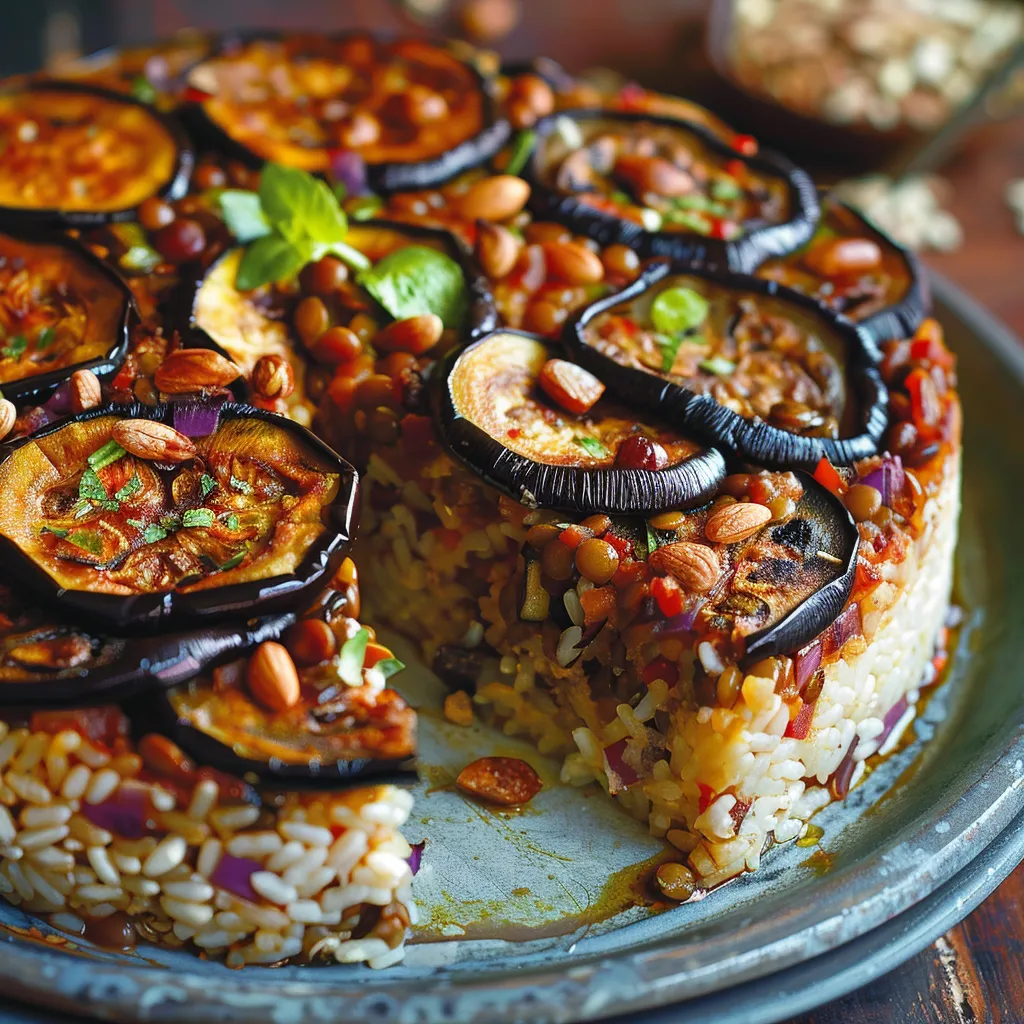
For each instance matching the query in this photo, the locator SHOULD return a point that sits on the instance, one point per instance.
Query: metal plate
(541, 877)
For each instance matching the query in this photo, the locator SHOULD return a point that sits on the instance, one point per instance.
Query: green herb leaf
(140, 259)
(171, 521)
(592, 446)
(242, 212)
(143, 89)
(389, 667)
(56, 531)
(416, 280)
(91, 488)
(365, 207)
(46, 338)
(132, 487)
(353, 257)
(726, 188)
(242, 486)
(678, 309)
(87, 540)
(153, 533)
(15, 347)
(207, 483)
(137, 523)
(271, 258)
(350, 661)
(198, 517)
(522, 148)
(104, 456)
(233, 561)
(231, 521)
(300, 206)
(82, 508)
(718, 366)
(669, 345)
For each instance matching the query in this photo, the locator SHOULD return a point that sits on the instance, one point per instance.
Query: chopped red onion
(891, 720)
(416, 856)
(806, 662)
(233, 873)
(349, 169)
(847, 625)
(684, 621)
(620, 774)
(888, 479)
(800, 726)
(198, 417)
(59, 402)
(841, 777)
(126, 813)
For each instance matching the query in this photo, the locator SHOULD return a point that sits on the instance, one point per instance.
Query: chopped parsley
(592, 447)
(15, 347)
(231, 521)
(90, 487)
(242, 486)
(198, 517)
(207, 484)
(153, 533)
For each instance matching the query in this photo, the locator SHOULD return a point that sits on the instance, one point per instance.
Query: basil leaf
(300, 206)
(207, 483)
(104, 456)
(389, 666)
(132, 487)
(91, 487)
(416, 280)
(87, 541)
(153, 533)
(679, 309)
(269, 259)
(592, 446)
(353, 257)
(350, 661)
(198, 517)
(243, 214)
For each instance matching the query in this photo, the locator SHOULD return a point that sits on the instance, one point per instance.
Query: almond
(312, 642)
(272, 677)
(738, 521)
(497, 249)
(84, 390)
(193, 369)
(570, 386)
(8, 414)
(147, 439)
(273, 377)
(495, 198)
(415, 334)
(694, 566)
(573, 263)
(653, 174)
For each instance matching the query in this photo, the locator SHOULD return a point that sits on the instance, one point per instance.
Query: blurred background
(916, 107)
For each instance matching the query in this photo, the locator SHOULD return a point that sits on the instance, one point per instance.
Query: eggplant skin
(822, 608)
(699, 415)
(153, 612)
(383, 178)
(125, 667)
(742, 254)
(574, 489)
(36, 389)
(174, 188)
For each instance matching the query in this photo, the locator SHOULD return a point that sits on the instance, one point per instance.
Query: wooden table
(974, 973)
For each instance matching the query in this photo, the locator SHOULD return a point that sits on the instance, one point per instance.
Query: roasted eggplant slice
(61, 309)
(791, 580)
(168, 529)
(334, 732)
(668, 188)
(412, 113)
(763, 372)
(76, 155)
(536, 428)
(56, 665)
(858, 271)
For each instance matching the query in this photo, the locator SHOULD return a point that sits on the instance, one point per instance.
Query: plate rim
(665, 971)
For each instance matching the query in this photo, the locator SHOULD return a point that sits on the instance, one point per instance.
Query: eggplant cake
(655, 458)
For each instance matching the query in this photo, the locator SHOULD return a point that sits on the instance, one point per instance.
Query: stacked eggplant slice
(608, 395)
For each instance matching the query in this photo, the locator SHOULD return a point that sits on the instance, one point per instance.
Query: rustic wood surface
(974, 974)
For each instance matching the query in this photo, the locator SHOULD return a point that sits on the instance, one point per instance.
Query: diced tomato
(925, 404)
(746, 144)
(623, 545)
(721, 228)
(661, 668)
(194, 95)
(800, 725)
(707, 795)
(513, 433)
(826, 475)
(668, 595)
(125, 377)
(598, 604)
(573, 536)
(735, 168)
(628, 571)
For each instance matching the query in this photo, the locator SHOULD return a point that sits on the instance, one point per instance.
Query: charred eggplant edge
(156, 611)
(743, 254)
(701, 416)
(568, 488)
